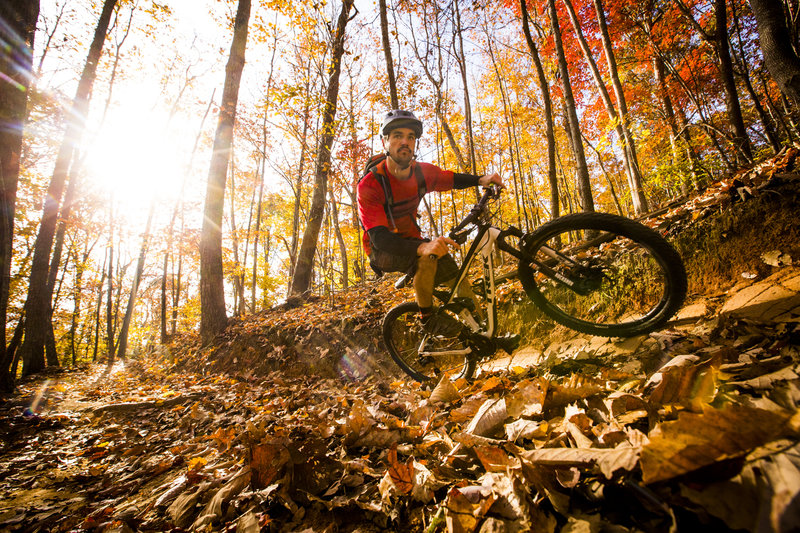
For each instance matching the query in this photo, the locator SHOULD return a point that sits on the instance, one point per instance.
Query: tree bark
(16, 66)
(301, 280)
(544, 86)
(619, 93)
(122, 344)
(741, 141)
(36, 304)
(462, 65)
(780, 57)
(213, 316)
(387, 53)
(581, 168)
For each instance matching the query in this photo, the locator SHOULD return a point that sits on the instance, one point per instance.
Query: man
(388, 198)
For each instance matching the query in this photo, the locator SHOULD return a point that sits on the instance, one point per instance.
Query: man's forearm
(391, 243)
(464, 181)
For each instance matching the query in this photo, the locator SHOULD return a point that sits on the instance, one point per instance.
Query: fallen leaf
(696, 440)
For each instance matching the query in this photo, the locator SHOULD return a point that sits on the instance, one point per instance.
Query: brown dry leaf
(695, 440)
(223, 437)
(512, 498)
(489, 417)
(526, 429)
(444, 392)
(620, 403)
(462, 514)
(467, 409)
(358, 423)
(401, 474)
(763, 497)
(607, 460)
(527, 398)
(685, 380)
(213, 509)
(383, 437)
(267, 460)
(577, 388)
(495, 459)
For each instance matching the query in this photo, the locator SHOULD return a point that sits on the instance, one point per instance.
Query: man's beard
(402, 158)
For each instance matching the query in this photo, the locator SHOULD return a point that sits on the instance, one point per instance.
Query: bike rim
(420, 355)
(621, 283)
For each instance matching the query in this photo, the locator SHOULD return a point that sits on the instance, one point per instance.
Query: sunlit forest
(156, 134)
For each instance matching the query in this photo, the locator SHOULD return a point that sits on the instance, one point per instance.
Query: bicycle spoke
(419, 354)
(604, 275)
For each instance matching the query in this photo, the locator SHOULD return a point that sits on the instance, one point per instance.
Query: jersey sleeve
(370, 198)
(436, 179)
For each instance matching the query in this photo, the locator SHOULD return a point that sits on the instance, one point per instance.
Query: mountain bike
(596, 273)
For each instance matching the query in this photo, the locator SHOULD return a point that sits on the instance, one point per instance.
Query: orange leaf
(402, 474)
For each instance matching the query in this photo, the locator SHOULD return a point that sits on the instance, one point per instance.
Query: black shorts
(446, 267)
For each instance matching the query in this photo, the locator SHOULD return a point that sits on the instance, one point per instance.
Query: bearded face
(400, 144)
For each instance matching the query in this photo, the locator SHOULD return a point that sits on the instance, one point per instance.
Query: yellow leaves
(223, 437)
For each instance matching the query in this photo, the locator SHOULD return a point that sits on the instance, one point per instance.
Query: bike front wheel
(421, 355)
(603, 274)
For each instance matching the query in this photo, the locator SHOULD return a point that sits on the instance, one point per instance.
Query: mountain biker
(392, 239)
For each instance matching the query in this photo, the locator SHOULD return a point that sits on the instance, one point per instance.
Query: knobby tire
(636, 280)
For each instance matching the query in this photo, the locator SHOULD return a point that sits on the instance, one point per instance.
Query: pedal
(508, 342)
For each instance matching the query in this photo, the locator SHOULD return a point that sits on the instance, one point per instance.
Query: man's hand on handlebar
(489, 179)
(437, 247)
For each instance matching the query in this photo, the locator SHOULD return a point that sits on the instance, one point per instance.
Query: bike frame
(488, 239)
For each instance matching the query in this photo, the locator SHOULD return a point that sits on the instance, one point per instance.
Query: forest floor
(295, 419)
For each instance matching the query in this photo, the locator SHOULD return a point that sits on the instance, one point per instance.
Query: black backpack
(372, 167)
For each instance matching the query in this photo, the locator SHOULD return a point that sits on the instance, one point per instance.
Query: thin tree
(581, 168)
(17, 32)
(387, 53)
(213, 317)
(122, 343)
(301, 280)
(37, 302)
(718, 39)
(544, 87)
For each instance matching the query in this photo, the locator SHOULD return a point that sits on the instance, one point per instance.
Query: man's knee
(426, 263)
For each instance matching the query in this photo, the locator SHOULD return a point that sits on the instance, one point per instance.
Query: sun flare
(136, 160)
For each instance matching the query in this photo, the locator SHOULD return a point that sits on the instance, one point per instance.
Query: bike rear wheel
(627, 279)
(420, 355)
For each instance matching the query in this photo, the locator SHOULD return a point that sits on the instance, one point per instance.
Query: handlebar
(475, 212)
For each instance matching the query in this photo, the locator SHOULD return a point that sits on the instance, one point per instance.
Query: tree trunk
(110, 304)
(462, 65)
(387, 53)
(581, 168)
(741, 141)
(213, 316)
(36, 304)
(301, 281)
(544, 86)
(780, 57)
(17, 32)
(629, 143)
(122, 343)
(340, 239)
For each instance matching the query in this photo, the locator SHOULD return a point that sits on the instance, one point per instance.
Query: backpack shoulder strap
(422, 186)
(387, 193)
